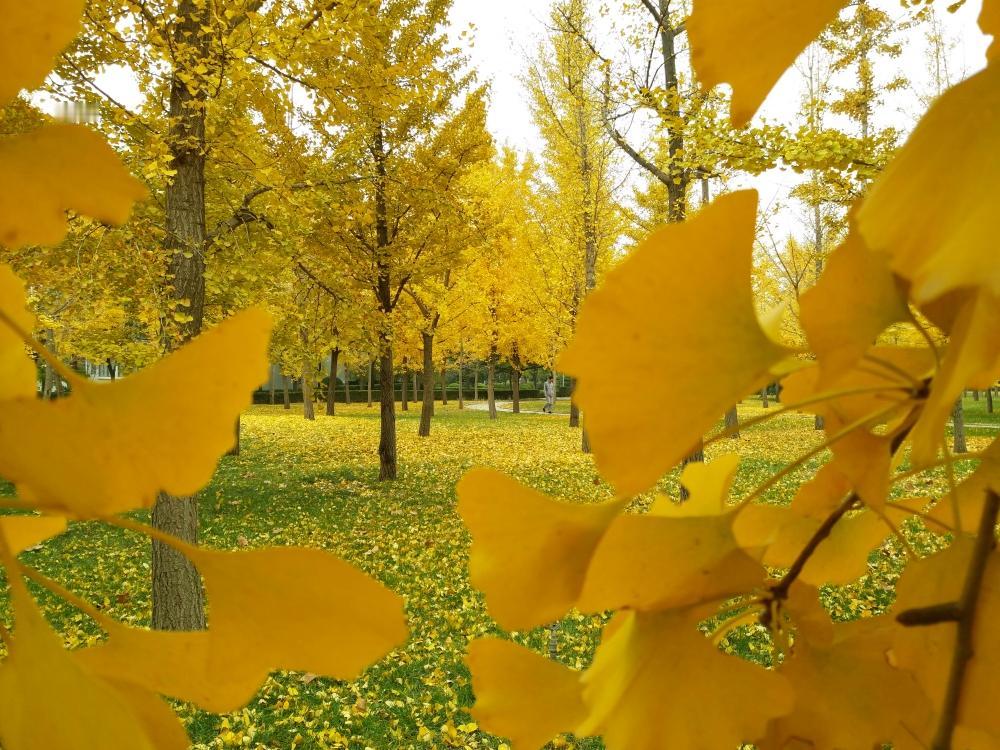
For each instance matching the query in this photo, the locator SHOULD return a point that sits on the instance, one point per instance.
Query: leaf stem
(932, 615)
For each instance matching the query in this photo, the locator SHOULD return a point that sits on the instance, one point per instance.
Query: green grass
(315, 484)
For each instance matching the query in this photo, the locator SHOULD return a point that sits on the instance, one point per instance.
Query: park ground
(315, 484)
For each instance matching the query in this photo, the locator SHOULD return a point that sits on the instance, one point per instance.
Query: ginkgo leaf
(22, 532)
(47, 700)
(158, 719)
(530, 553)
(657, 683)
(989, 22)
(56, 169)
(654, 561)
(708, 486)
(694, 328)
(523, 696)
(927, 651)
(17, 371)
(847, 694)
(856, 299)
(970, 494)
(972, 359)
(931, 210)
(133, 438)
(751, 43)
(31, 36)
(296, 609)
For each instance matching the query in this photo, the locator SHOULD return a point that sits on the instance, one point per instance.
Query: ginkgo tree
(918, 252)
(119, 446)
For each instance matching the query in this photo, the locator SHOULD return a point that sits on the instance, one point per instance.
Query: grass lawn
(302, 483)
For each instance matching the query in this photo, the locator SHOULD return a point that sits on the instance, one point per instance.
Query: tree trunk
(308, 406)
(331, 389)
(404, 398)
(347, 384)
(112, 370)
(271, 384)
(574, 410)
(585, 439)
(989, 400)
(696, 456)
(461, 393)
(763, 398)
(371, 367)
(475, 382)
(427, 409)
(975, 394)
(178, 598)
(444, 386)
(490, 383)
(235, 450)
(958, 425)
(733, 422)
(288, 397)
(515, 387)
(387, 430)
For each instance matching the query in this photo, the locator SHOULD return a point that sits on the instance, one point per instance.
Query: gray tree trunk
(989, 400)
(308, 405)
(387, 404)
(574, 410)
(461, 388)
(371, 367)
(763, 398)
(490, 383)
(427, 408)
(331, 390)
(404, 398)
(733, 422)
(958, 425)
(288, 397)
(444, 386)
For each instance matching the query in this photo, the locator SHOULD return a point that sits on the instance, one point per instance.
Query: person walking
(550, 395)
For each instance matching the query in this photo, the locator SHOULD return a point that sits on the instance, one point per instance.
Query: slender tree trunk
(975, 394)
(387, 402)
(585, 439)
(763, 398)
(371, 367)
(308, 406)
(347, 384)
(404, 398)
(490, 384)
(178, 598)
(574, 410)
(461, 388)
(331, 390)
(989, 400)
(958, 425)
(733, 422)
(235, 450)
(288, 397)
(475, 382)
(112, 371)
(515, 386)
(444, 386)
(427, 410)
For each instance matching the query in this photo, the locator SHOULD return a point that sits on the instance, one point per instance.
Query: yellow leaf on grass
(749, 44)
(521, 695)
(855, 300)
(678, 310)
(847, 694)
(56, 169)
(674, 556)
(133, 438)
(21, 532)
(530, 553)
(17, 371)
(295, 609)
(657, 683)
(932, 209)
(47, 700)
(31, 36)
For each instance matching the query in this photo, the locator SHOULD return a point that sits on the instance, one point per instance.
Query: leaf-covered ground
(314, 483)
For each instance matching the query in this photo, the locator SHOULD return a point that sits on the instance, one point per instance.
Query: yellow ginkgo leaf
(47, 700)
(654, 561)
(56, 169)
(523, 696)
(678, 310)
(31, 36)
(855, 299)
(989, 22)
(17, 371)
(637, 700)
(818, 497)
(296, 609)
(972, 360)
(157, 718)
(134, 438)
(927, 651)
(749, 44)
(970, 494)
(847, 694)
(21, 532)
(176, 664)
(530, 553)
(708, 486)
(931, 210)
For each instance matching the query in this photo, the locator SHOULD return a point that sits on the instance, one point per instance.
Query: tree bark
(490, 383)
(475, 382)
(404, 398)
(331, 389)
(444, 386)
(515, 387)
(347, 384)
(387, 428)
(288, 397)
(427, 409)
(989, 400)
(958, 425)
(733, 422)
(461, 388)
(178, 598)
(574, 410)
(235, 450)
(975, 394)
(763, 398)
(308, 406)
(371, 368)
